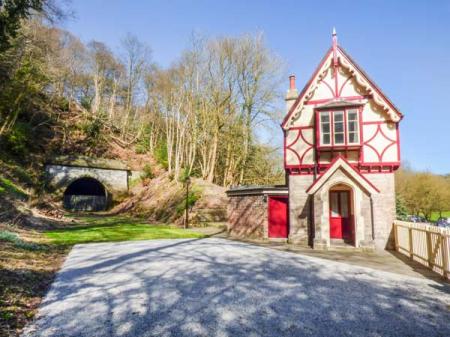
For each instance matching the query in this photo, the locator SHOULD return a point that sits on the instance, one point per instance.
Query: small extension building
(341, 148)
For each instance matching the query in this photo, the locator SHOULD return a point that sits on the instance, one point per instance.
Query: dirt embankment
(163, 199)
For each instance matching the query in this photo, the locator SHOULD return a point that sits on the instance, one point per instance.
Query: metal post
(186, 221)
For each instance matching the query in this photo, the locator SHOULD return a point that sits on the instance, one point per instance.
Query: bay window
(339, 127)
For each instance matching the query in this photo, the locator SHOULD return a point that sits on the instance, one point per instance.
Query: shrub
(18, 138)
(8, 187)
(140, 149)
(185, 174)
(193, 196)
(18, 242)
(400, 207)
(161, 155)
(92, 128)
(148, 172)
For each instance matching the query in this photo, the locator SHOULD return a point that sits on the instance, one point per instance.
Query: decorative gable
(339, 77)
(340, 112)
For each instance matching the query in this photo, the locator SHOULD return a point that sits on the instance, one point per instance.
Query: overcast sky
(404, 46)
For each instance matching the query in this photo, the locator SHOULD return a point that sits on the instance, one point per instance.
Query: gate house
(341, 148)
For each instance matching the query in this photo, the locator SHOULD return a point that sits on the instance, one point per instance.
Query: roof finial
(334, 37)
(335, 60)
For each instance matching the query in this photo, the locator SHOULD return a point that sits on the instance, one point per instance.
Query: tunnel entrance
(86, 194)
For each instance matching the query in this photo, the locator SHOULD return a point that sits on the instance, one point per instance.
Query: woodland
(203, 116)
(211, 115)
(195, 117)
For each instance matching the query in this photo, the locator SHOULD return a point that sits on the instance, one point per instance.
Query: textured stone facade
(247, 216)
(60, 176)
(383, 204)
(299, 208)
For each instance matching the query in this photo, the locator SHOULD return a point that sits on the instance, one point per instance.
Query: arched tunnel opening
(86, 194)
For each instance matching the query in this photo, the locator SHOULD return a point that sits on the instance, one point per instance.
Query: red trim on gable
(358, 68)
(398, 141)
(354, 169)
(371, 82)
(302, 93)
(343, 85)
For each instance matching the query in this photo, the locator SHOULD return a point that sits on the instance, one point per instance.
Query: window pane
(353, 138)
(352, 115)
(344, 204)
(324, 117)
(325, 128)
(338, 116)
(353, 126)
(339, 138)
(334, 204)
(338, 127)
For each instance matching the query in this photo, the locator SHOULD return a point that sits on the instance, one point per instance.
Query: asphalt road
(216, 287)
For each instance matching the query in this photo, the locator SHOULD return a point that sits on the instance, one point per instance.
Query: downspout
(371, 218)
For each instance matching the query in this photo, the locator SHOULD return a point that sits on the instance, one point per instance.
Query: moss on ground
(9, 188)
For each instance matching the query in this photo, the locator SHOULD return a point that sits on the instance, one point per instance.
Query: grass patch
(9, 188)
(104, 229)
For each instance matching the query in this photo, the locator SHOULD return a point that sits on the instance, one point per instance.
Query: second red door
(340, 217)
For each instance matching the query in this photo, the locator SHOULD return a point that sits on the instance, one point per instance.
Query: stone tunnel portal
(86, 194)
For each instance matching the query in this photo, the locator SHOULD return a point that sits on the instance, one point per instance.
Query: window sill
(340, 147)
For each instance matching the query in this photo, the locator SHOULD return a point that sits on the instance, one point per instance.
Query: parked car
(443, 222)
(416, 218)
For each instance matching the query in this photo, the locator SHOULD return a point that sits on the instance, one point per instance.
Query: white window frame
(346, 127)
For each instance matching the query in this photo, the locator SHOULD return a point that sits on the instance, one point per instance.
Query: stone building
(341, 148)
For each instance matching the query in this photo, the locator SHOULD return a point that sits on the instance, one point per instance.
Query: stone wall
(383, 208)
(299, 207)
(60, 176)
(247, 216)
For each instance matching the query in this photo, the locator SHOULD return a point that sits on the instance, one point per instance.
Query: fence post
(444, 247)
(429, 249)
(411, 250)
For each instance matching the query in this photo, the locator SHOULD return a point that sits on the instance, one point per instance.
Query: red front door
(278, 217)
(340, 217)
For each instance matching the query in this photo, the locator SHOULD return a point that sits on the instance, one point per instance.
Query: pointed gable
(341, 163)
(335, 62)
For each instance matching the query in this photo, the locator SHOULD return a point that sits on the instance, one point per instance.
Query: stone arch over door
(361, 209)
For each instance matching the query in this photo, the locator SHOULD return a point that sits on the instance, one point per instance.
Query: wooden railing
(426, 244)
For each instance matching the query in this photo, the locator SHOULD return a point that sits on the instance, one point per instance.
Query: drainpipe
(371, 218)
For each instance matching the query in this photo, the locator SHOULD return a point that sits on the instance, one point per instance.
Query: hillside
(163, 199)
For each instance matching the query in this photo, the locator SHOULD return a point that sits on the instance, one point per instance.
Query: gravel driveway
(216, 287)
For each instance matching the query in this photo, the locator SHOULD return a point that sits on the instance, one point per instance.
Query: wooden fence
(426, 244)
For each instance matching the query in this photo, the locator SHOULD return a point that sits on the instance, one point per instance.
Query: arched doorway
(85, 194)
(342, 226)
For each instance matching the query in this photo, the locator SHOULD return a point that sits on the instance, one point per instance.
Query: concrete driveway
(216, 287)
